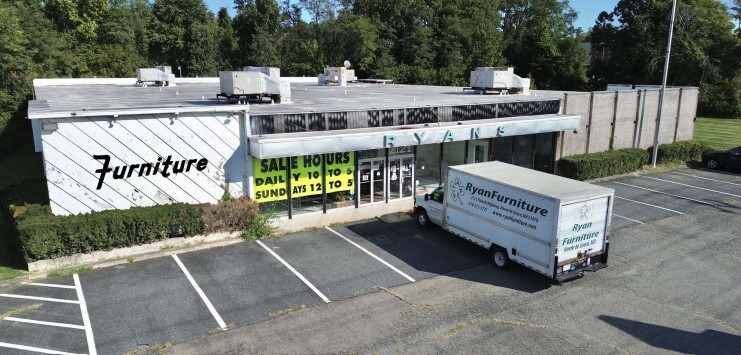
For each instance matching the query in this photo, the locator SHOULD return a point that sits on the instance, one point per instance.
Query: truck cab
(429, 207)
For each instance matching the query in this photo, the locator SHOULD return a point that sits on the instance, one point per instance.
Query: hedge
(44, 236)
(622, 161)
(40, 235)
(680, 152)
(596, 165)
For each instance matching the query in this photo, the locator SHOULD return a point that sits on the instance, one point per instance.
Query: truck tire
(422, 219)
(500, 258)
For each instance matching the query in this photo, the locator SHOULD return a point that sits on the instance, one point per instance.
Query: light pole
(663, 85)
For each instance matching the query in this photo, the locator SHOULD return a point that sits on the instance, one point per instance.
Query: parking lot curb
(99, 259)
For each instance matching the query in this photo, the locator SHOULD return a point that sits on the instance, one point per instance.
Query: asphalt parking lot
(147, 304)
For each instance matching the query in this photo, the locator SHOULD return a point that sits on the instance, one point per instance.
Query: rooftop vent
(253, 85)
(160, 76)
(503, 81)
(337, 76)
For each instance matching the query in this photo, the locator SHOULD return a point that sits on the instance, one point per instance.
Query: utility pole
(663, 84)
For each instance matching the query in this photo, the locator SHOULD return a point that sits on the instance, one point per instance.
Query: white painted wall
(70, 166)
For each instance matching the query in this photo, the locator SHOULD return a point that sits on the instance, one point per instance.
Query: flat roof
(60, 97)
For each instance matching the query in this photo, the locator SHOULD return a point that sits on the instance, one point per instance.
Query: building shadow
(433, 251)
(681, 341)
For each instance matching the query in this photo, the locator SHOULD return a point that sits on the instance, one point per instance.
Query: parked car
(730, 158)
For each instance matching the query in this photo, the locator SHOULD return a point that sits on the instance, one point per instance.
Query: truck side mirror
(427, 197)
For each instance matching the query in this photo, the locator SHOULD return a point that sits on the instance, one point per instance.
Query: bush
(680, 152)
(261, 227)
(230, 215)
(597, 165)
(43, 236)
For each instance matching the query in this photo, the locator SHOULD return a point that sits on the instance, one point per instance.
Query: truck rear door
(583, 234)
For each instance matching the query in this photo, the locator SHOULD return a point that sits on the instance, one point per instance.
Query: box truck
(556, 226)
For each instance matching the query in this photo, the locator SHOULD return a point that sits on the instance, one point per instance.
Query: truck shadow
(681, 341)
(433, 251)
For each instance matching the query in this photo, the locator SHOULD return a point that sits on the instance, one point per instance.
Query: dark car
(730, 158)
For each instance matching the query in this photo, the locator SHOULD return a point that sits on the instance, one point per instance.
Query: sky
(588, 9)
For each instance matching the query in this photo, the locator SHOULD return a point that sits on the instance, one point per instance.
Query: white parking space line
(35, 349)
(85, 317)
(705, 178)
(39, 298)
(665, 193)
(53, 324)
(373, 255)
(630, 219)
(718, 172)
(200, 293)
(648, 204)
(48, 285)
(696, 187)
(298, 274)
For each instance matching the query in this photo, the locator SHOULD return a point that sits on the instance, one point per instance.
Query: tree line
(434, 42)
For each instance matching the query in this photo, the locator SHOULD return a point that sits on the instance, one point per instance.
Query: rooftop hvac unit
(161, 75)
(337, 75)
(498, 80)
(250, 85)
(269, 71)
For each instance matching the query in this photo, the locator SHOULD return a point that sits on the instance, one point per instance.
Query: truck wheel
(500, 258)
(422, 219)
(712, 163)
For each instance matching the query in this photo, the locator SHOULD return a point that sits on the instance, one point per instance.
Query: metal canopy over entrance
(299, 144)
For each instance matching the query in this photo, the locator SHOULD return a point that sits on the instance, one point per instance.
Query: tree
(183, 33)
(227, 41)
(704, 49)
(256, 26)
(320, 10)
(540, 41)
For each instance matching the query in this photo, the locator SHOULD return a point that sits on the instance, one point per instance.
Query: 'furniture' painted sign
(161, 167)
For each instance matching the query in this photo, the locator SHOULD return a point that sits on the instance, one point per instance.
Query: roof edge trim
(135, 112)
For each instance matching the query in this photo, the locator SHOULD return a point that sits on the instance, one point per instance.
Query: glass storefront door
(371, 181)
(401, 176)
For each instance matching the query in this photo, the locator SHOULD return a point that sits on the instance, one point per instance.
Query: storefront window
(339, 174)
(454, 153)
(375, 153)
(305, 179)
(502, 149)
(523, 151)
(427, 166)
(543, 154)
(280, 208)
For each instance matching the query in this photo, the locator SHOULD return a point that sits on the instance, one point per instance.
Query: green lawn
(719, 133)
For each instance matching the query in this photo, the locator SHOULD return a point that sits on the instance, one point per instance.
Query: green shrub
(597, 165)
(680, 152)
(261, 227)
(43, 236)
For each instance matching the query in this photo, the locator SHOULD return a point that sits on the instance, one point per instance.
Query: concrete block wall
(669, 116)
(600, 127)
(576, 103)
(628, 118)
(686, 119)
(650, 112)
